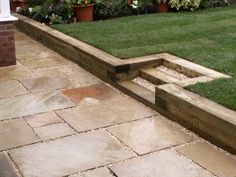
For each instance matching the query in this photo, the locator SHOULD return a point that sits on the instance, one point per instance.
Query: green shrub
(214, 3)
(184, 4)
(51, 10)
(39, 13)
(144, 6)
(56, 19)
(111, 8)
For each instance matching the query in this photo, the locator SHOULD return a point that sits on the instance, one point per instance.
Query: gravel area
(172, 72)
(144, 83)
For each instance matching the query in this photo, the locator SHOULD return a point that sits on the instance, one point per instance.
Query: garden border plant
(63, 11)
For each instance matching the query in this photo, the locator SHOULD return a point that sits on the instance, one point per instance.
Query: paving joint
(124, 144)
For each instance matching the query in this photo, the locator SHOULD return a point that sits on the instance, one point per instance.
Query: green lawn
(206, 37)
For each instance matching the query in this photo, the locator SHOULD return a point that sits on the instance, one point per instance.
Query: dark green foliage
(111, 8)
(51, 9)
(39, 13)
(34, 3)
(105, 9)
(214, 3)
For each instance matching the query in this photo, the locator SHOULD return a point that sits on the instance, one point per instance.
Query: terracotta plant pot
(23, 4)
(129, 2)
(84, 13)
(163, 7)
(14, 5)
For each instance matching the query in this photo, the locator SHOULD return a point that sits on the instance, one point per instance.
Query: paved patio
(56, 119)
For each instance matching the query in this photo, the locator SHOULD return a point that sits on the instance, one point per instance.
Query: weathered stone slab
(6, 168)
(50, 71)
(43, 63)
(15, 133)
(32, 104)
(34, 48)
(69, 155)
(11, 88)
(80, 76)
(156, 133)
(90, 117)
(42, 119)
(98, 92)
(164, 164)
(210, 158)
(15, 72)
(99, 172)
(54, 131)
(47, 83)
(41, 54)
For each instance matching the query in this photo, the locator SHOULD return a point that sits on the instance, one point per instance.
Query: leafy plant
(51, 10)
(82, 2)
(34, 3)
(214, 3)
(143, 6)
(111, 8)
(56, 19)
(191, 5)
(40, 14)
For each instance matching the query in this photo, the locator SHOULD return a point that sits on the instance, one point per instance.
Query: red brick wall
(7, 44)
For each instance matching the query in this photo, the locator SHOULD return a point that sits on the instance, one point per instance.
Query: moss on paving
(206, 37)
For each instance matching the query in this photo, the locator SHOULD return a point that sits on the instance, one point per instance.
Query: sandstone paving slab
(15, 133)
(50, 71)
(35, 56)
(43, 63)
(34, 48)
(19, 36)
(18, 43)
(6, 168)
(54, 131)
(151, 134)
(99, 172)
(31, 104)
(107, 113)
(48, 83)
(11, 88)
(97, 92)
(210, 158)
(69, 155)
(160, 164)
(15, 72)
(80, 76)
(43, 119)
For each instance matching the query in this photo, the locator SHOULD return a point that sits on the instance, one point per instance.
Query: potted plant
(19, 3)
(23, 4)
(83, 9)
(14, 4)
(162, 6)
(129, 2)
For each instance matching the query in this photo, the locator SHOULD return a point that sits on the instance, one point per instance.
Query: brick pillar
(7, 44)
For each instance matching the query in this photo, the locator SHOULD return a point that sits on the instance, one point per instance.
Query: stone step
(138, 91)
(209, 119)
(157, 77)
